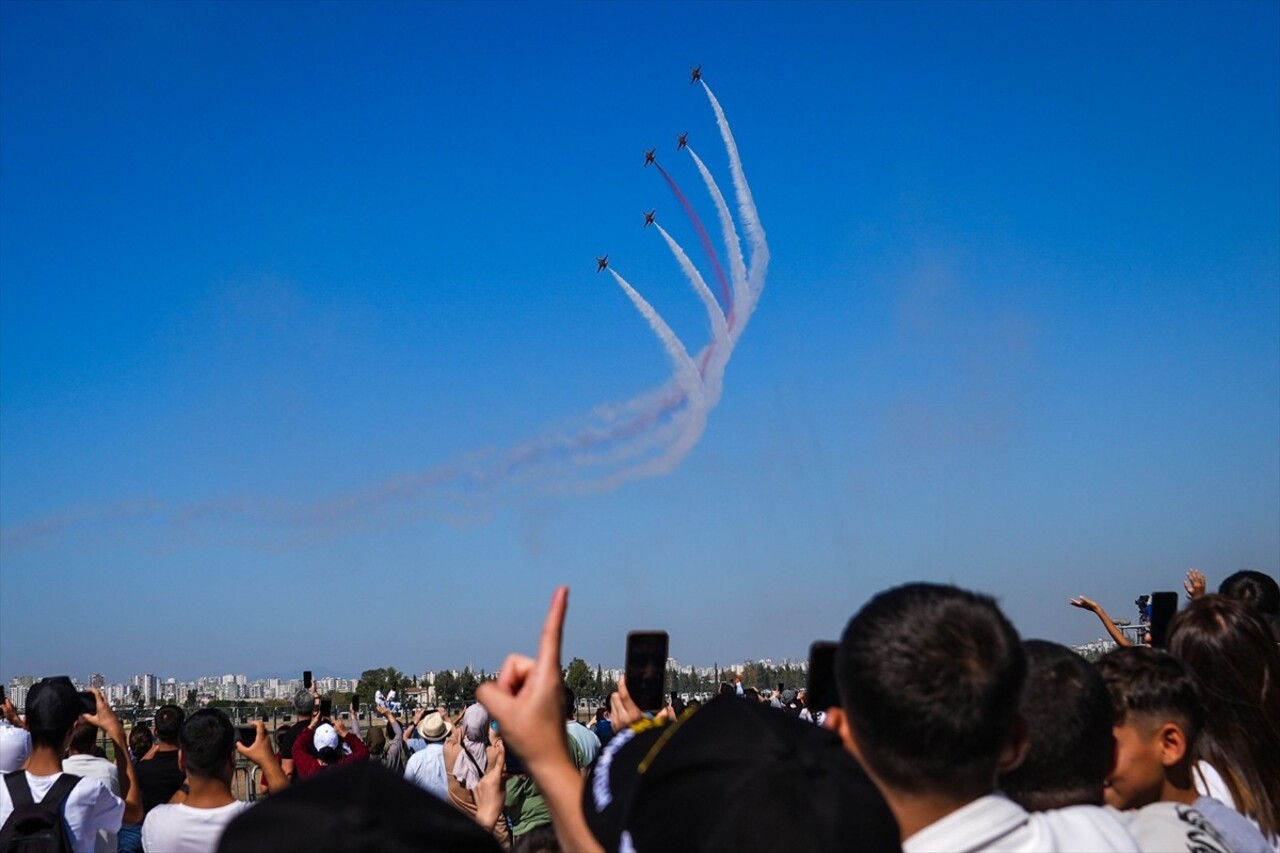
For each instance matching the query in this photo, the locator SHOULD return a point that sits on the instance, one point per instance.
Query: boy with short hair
(1158, 716)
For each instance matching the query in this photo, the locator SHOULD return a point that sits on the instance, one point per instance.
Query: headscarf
(475, 743)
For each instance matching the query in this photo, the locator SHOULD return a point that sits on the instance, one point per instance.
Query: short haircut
(304, 702)
(726, 689)
(1148, 682)
(929, 677)
(168, 721)
(1255, 589)
(1070, 746)
(140, 741)
(207, 740)
(84, 738)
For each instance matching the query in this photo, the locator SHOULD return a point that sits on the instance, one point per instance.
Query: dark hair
(929, 677)
(1070, 745)
(751, 693)
(570, 702)
(207, 739)
(1232, 655)
(84, 738)
(1253, 588)
(168, 722)
(726, 689)
(600, 712)
(140, 741)
(1148, 682)
(540, 839)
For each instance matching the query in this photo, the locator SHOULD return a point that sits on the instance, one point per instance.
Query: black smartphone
(780, 688)
(1164, 606)
(88, 702)
(306, 678)
(246, 735)
(326, 708)
(647, 668)
(820, 690)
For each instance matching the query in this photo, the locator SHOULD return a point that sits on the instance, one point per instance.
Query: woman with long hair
(1231, 650)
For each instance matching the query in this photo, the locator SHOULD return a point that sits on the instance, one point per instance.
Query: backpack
(36, 827)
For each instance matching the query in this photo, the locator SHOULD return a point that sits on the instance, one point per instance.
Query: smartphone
(326, 707)
(246, 735)
(647, 668)
(820, 689)
(780, 688)
(1164, 606)
(88, 702)
(306, 678)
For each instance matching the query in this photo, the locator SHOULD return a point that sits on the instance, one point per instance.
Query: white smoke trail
(737, 269)
(719, 327)
(746, 206)
(686, 372)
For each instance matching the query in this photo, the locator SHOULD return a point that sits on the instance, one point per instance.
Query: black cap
(53, 705)
(357, 807)
(734, 775)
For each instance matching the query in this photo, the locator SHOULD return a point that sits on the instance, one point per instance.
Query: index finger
(549, 645)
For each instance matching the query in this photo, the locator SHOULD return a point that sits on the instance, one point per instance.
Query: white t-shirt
(426, 770)
(93, 767)
(88, 808)
(179, 828)
(1168, 827)
(995, 822)
(15, 746)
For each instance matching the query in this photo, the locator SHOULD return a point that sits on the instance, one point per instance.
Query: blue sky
(1020, 330)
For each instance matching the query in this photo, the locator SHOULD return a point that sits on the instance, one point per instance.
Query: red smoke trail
(702, 235)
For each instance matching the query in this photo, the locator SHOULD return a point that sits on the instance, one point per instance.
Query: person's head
(84, 739)
(475, 724)
(207, 745)
(1070, 747)
(752, 694)
(600, 713)
(1157, 717)
(327, 744)
(168, 722)
(929, 678)
(304, 702)
(53, 708)
(376, 739)
(140, 741)
(570, 704)
(726, 689)
(434, 728)
(1231, 653)
(1259, 591)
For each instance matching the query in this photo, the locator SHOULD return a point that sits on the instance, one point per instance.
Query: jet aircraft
(648, 218)
(648, 156)
(682, 140)
(602, 263)
(695, 73)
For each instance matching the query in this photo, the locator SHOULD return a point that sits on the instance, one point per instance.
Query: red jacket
(305, 763)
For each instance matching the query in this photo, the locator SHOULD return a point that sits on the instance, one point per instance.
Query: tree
(191, 698)
(446, 684)
(600, 694)
(467, 684)
(385, 679)
(579, 678)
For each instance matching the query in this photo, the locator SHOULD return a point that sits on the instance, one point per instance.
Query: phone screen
(326, 707)
(647, 668)
(820, 691)
(88, 702)
(1164, 606)
(306, 678)
(246, 735)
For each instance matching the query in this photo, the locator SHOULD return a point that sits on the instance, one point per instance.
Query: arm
(490, 794)
(260, 754)
(396, 743)
(304, 763)
(1088, 604)
(104, 718)
(525, 700)
(357, 747)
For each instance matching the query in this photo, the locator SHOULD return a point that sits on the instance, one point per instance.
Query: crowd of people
(949, 732)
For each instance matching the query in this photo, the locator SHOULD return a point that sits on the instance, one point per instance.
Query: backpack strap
(19, 790)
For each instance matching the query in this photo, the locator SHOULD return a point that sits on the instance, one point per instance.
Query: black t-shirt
(159, 778)
(286, 740)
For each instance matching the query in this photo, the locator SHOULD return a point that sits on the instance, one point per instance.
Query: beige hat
(433, 727)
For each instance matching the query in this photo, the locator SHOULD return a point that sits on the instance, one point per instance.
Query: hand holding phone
(326, 708)
(246, 735)
(646, 668)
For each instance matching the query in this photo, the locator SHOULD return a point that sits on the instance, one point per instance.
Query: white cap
(326, 737)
